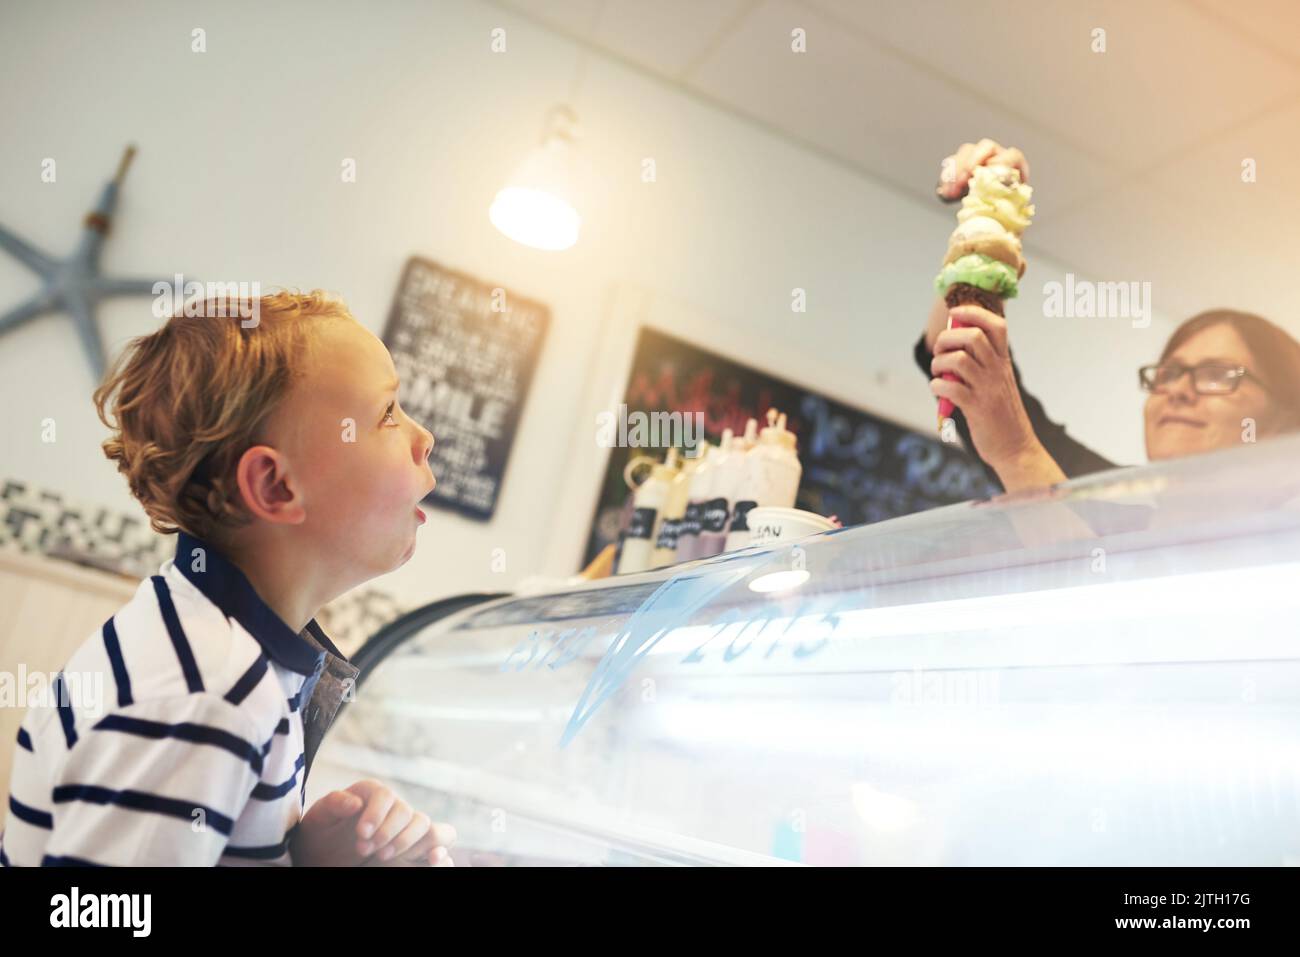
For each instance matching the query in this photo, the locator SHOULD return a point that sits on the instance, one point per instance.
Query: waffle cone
(964, 294)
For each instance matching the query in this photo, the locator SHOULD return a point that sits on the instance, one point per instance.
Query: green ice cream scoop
(980, 271)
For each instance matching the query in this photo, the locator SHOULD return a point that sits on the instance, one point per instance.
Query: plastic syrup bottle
(670, 525)
(651, 496)
(688, 539)
(742, 500)
(728, 476)
(772, 473)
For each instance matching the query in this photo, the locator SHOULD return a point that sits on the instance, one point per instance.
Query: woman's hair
(1275, 356)
(185, 402)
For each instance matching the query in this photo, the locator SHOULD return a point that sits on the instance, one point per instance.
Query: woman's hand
(368, 825)
(955, 171)
(988, 397)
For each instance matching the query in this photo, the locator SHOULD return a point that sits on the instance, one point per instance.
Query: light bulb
(535, 218)
(535, 206)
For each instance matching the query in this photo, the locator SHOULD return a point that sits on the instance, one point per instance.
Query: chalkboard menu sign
(465, 351)
(855, 465)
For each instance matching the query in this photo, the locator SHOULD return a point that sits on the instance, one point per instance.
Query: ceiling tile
(1170, 75)
(568, 16)
(665, 36)
(1274, 24)
(1215, 171)
(848, 97)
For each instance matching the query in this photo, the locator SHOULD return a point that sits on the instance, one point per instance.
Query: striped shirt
(198, 753)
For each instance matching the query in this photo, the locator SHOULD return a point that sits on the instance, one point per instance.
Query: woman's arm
(1033, 467)
(1005, 426)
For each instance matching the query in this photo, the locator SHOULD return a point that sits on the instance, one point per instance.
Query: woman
(1224, 378)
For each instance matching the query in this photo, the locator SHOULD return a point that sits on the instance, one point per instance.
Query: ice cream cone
(983, 262)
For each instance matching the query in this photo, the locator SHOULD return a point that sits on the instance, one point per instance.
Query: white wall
(238, 179)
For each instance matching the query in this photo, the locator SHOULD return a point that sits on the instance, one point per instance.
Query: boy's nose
(425, 445)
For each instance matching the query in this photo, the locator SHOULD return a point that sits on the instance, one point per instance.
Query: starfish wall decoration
(74, 285)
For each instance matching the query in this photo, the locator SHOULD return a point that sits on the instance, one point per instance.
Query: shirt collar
(230, 590)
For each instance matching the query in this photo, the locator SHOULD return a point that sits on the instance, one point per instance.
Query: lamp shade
(536, 207)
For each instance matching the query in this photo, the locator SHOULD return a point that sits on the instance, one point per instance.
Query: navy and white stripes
(196, 754)
(121, 679)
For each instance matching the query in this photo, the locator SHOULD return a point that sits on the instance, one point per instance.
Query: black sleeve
(1073, 457)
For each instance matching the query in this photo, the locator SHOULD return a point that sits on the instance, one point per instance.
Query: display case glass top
(1107, 672)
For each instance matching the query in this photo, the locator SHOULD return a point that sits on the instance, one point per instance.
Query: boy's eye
(388, 412)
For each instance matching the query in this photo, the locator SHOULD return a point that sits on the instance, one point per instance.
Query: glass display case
(1107, 672)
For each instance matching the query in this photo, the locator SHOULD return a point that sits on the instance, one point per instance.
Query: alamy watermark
(210, 300)
(648, 430)
(952, 689)
(1082, 299)
(83, 690)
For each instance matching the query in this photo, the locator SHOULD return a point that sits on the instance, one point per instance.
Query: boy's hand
(368, 825)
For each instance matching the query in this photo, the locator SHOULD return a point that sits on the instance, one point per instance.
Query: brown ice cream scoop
(1004, 249)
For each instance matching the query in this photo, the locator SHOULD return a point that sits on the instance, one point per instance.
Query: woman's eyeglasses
(1208, 378)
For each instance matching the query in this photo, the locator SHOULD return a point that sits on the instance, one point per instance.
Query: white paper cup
(767, 525)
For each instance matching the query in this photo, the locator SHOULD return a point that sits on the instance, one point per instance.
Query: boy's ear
(264, 483)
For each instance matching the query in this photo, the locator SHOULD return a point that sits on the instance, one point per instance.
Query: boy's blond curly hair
(185, 402)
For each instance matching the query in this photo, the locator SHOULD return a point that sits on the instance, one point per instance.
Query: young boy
(277, 450)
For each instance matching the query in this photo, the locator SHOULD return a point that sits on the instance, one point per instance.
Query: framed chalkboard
(856, 465)
(465, 351)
